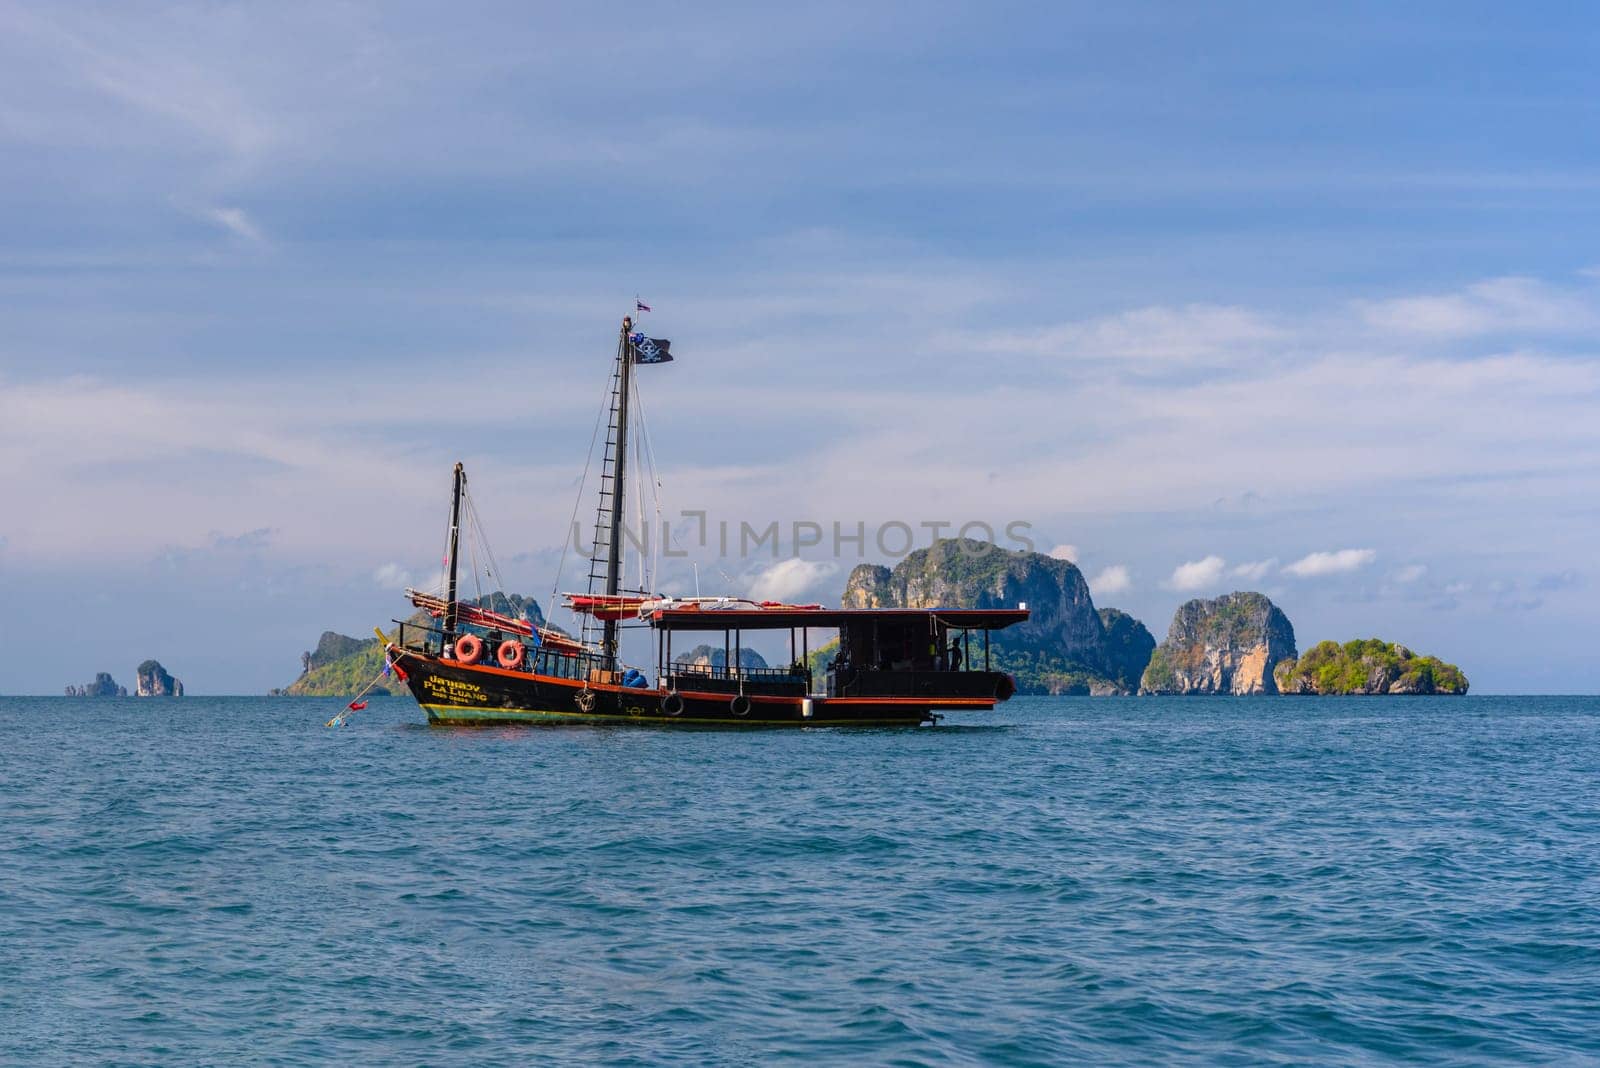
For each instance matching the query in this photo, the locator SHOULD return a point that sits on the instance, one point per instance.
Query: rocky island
(1369, 666)
(102, 686)
(1240, 643)
(1065, 647)
(1227, 645)
(716, 657)
(150, 680)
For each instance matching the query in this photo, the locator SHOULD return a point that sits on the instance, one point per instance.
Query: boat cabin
(887, 652)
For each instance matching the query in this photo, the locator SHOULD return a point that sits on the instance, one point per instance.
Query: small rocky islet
(150, 680)
(1239, 643)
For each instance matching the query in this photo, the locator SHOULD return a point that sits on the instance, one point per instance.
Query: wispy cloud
(1410, 573)
(1567, 579)
(1191, 334)
(1069, 553)
(1342, 561)
(248, 541)
(235, 222)
(1256, 570)
(1498, 305)
(392, 576)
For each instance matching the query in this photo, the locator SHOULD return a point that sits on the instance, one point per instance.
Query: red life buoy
(468, 648)
(510, 654)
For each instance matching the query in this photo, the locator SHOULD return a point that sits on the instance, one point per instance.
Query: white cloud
(1069, 553)
(1314, 565)
(1498, 304)
(789, 580)
(1197, 574)
(1187, 334)
(392, 576)
(235, 221)
(1410, 573)
(1114, 579)
(1256, 570)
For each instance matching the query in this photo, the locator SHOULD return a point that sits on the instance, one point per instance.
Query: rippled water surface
(1192, 880)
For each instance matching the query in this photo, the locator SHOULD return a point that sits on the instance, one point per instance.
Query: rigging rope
(577, 503)
(356, 703)
(647, 448)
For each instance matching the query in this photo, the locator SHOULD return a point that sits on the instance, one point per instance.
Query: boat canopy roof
(695, 618)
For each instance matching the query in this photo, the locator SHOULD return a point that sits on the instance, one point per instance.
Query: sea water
(1205, 881)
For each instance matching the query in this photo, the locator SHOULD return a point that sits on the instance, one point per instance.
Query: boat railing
(712, 672)
(780, 680)
(559, 664)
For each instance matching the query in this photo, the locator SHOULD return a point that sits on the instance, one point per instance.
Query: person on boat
(955, 654)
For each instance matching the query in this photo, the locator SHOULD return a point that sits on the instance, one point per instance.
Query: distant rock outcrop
(330, 648)
(716, 657)
(1370, 666)
(153, 681)
(342, 676)
(1229, 645)
(1062, 648)
(341, 665)
(102, 686)
(1129, 644)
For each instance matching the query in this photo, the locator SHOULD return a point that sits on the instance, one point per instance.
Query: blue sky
(1248, 296)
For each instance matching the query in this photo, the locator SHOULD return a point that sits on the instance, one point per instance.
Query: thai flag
(639, 305)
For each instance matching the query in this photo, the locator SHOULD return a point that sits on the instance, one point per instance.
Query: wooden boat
(894, 667)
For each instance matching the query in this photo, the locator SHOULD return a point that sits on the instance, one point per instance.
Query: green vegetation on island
(341, 666)
(820, 659)
(1368, 666)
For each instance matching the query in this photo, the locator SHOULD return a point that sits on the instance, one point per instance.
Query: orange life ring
(510, 654)
(468, 648)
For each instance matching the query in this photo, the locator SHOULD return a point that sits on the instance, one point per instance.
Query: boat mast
(608, 644)
(455, 543)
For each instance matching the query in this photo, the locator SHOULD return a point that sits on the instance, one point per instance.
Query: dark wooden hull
(479, 694)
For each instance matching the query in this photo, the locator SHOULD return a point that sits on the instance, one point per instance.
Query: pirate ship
(470, 665)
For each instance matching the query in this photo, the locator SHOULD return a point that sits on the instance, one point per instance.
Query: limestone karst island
(1239, 643)
(150, 680)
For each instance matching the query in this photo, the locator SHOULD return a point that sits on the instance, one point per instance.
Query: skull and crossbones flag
(650, 349)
